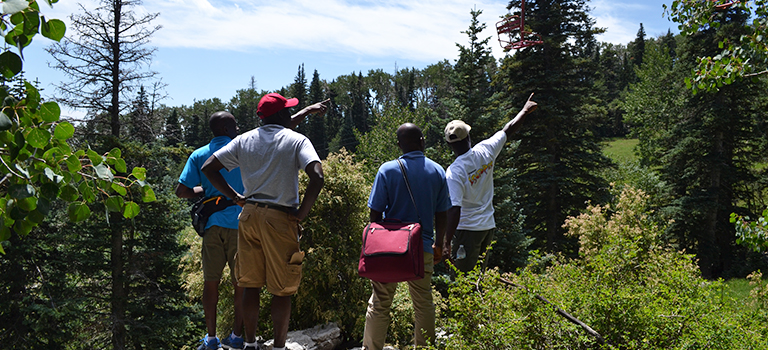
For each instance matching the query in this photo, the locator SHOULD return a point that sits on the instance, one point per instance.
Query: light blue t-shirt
(191, 176)
(389, 194)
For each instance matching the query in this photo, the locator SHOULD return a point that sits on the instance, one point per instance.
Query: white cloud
(622, 19)
(424, 30)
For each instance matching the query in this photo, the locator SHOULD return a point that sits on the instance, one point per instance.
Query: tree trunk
(118, 287)
(553, 224)
(710, 255)
(115, 103)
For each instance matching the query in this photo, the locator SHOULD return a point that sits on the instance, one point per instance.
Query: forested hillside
(97, 251)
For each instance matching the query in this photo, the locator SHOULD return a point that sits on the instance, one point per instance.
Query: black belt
(287, 210)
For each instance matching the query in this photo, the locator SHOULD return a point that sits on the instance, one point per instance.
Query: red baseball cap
(273, 103)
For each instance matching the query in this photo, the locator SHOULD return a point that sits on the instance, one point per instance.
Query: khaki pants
(377, 316)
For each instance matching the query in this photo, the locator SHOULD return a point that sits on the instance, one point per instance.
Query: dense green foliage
(704, 146)
(739, 58)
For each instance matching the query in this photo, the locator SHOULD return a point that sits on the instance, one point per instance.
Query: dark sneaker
(233, 343)
(213, 344)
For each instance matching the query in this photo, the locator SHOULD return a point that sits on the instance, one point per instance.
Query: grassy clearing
(623, 149)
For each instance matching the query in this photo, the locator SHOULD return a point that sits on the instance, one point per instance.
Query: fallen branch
(560, 312)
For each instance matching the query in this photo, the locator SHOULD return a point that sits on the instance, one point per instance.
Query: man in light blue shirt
(220, 237)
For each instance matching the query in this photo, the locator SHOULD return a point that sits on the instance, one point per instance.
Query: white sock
(236, 336)
(254, 344)
(274, 348)
(211, 337)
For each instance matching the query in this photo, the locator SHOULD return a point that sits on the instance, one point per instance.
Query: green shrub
(626, 285)
(331, 290)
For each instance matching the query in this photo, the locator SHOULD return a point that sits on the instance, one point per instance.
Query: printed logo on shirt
(477, 174)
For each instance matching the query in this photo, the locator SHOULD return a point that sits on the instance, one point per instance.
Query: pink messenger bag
(393, 251)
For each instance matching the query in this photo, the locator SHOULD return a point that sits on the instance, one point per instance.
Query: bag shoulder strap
(408, 186)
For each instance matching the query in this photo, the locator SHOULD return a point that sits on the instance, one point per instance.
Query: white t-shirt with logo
(470, 182)
(269, 158)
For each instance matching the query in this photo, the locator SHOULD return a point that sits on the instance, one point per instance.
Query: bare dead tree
(106, 58)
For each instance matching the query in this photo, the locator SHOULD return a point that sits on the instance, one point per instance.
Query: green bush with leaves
(331, 290)
(630, 288)
(37, 164)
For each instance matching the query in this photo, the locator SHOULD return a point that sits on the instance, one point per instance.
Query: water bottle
(461, 253)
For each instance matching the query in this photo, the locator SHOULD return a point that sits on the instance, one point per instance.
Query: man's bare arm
(375, 216)
(182, 191)
(441, 223)
(315, 172)
(515, 124)
(319, 108)
(211, 169)
(452, 222)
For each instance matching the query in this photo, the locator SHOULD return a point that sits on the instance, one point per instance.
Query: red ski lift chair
(508, 28)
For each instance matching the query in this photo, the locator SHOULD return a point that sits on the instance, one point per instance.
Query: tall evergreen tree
(472, 73)
(173, 134)
(333, 118)
(143, 124)
(316, 123)
(299, 90)
(346, 137)
(637, 47)
(244, 104)
(360, 111)
(559, 151)
(405, 87)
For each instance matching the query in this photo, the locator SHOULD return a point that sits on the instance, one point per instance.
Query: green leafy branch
(37, 164)
(747, 58)
(753, 234)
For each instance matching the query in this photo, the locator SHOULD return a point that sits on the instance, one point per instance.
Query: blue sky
(211, 48)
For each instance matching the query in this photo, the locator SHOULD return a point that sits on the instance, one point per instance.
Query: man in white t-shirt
(268, 254)
(470, 183)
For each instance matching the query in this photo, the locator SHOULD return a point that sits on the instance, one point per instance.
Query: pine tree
(472, 74)
(360, 111)
(559, 151)
(637, 47)
(173, 135)
(299, 90)
(316, 123)
(405, 87)
(244, 105)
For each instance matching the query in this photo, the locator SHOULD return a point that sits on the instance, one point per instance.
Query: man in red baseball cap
(268, 252)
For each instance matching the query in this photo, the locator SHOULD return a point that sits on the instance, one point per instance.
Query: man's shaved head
(222, 123)
(410, 138)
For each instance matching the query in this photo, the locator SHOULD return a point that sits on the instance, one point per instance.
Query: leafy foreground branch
(38, 165)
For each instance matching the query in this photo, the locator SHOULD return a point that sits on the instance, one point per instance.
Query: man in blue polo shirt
(390, 199)
(220, 238)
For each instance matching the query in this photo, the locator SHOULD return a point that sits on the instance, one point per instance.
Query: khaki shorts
(268, 250)
(219, 248)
